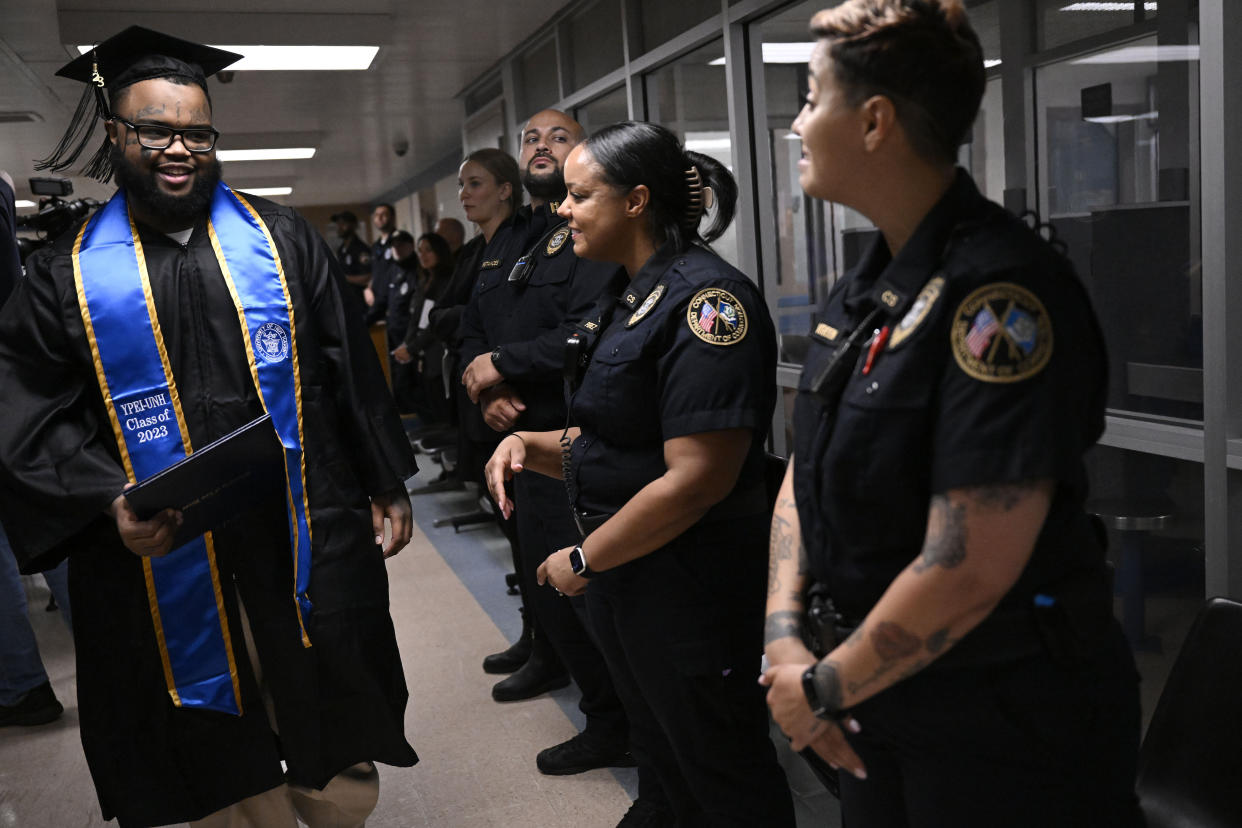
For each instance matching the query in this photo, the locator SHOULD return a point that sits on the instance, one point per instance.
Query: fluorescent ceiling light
(1144, 54)
(1106, 7)
(1121, 119)
(21, 203)
(780, 53)
(265, 191)
(296, 58)
(801, 53)
(708, 144)
(284, 154)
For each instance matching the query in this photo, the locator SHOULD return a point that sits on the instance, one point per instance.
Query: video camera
(55, 215)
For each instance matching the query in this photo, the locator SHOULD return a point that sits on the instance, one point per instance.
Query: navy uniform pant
(681, 629)
(1029, 744)
(545, 524)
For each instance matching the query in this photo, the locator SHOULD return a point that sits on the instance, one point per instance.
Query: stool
(1134, 520)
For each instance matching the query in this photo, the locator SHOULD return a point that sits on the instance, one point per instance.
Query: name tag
(825, 332)
(490, 264)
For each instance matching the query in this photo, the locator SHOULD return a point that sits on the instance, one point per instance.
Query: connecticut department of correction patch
(716, 316)
(1002, 333)
(556, 242)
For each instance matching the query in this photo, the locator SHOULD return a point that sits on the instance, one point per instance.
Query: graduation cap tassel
(100, 165)
(92, 106)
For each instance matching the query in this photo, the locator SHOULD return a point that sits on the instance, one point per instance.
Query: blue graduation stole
(141, 396)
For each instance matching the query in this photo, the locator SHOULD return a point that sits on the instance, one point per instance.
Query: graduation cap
(134, 55)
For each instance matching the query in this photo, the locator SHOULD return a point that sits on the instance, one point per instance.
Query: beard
(141, 186)
(547, 186)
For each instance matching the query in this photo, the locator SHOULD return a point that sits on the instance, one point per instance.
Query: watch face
(575, 561)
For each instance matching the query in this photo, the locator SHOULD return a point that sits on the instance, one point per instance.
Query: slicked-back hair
(631, 153)
(504, 168)
(921, 54)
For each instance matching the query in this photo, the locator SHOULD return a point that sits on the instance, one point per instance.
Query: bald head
(546, 141)
(452, 231)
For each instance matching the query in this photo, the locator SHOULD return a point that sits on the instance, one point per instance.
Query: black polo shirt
(689, 347)
(994, 373)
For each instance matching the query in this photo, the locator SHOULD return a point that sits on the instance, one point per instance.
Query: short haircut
(391, 209)
(921, 54)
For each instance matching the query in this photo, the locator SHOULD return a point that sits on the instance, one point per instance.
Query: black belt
(751, 500)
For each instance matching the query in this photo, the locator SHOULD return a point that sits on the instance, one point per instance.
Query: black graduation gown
(339, 702)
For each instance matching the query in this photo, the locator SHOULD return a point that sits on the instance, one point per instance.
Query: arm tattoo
(782, 624)
(945, 545)
(893, 642)
(939, 641)
(1003, 497)
(780, 548)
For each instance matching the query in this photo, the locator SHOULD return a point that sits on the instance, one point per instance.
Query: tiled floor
(477, 768)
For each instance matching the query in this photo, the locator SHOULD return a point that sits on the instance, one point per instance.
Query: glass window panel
(1158, 566)
(1063, 21)
(595, 47)
(689, 97)
(535, 74)
(1119, 183)
(663, 20)
(984, 155)
(606, 109)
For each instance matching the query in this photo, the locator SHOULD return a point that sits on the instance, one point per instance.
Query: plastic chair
(1188, 773)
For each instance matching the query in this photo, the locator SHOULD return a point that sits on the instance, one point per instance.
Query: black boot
(542, 672)
(512, 659)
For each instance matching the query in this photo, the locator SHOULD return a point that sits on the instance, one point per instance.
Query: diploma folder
(242, 470)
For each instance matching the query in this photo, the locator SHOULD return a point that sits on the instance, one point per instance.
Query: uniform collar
(645, 280)
(904, 275)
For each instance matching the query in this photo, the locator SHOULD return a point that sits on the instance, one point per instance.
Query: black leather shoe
(510, 660)
(579, 756)
(642, 815)
(37, 707)
(541, 673)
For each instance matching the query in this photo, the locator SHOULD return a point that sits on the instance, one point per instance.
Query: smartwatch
(578, 563)
(822, 709)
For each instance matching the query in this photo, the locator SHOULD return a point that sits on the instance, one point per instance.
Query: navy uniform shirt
(994, 373)
(383, 273)
(687, 348)
(529, 321)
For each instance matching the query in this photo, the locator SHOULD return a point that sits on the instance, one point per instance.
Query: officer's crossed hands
(480, 375)
(792, 712)
(501, 407)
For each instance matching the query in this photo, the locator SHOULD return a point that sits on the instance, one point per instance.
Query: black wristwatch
(821, 709)
(578, 563)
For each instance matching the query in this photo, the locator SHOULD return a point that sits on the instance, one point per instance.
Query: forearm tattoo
(782, 624)
(780, 546)
(945, 545)
(896, 646)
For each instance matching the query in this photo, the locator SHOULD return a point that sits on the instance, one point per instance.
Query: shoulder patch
(556, 242)
(918, 311)
(716, 316)
(1001, 333)
(647, 305)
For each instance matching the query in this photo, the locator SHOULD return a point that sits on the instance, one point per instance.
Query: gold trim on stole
(254, 373)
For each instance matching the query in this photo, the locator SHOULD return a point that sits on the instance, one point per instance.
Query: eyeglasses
(153, 136)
